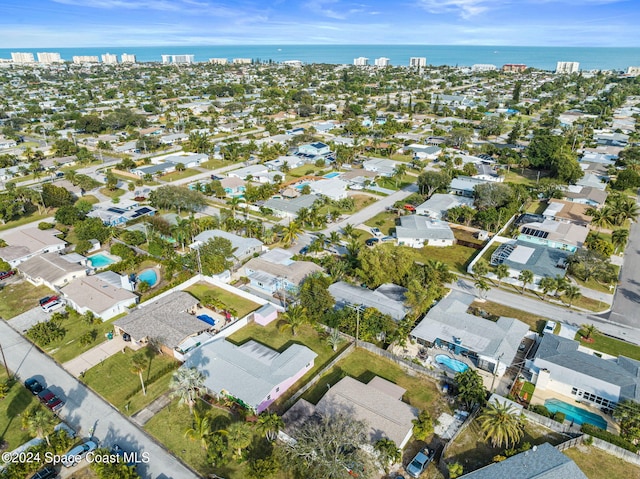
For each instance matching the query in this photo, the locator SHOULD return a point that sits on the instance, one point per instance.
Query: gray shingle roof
(243, 246)
(545, 462)
(422, 227)
(347, 294)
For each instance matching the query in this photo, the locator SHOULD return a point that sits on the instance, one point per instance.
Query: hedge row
(609, 437)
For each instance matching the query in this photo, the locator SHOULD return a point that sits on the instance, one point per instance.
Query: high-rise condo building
(633, 71)
(49, 57)
(381, 62)
(218, 61)
(361, 61)
(418, 62)
(293, 63)
(483, 67)
(178, 59)
(128, 58)
(567, 67)
(110, 59)
(80, 59)
(242, 61)
(22, 57)
(514, 67)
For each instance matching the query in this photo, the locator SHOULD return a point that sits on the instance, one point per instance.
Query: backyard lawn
(363, 366)
(609, 345)
(26, 219)
(597, 464)
(237, 303)
(112, 193)
(18, 400)
(179, 175)
(535, 321)
(114, 380)
(472, 451)
(456, 257)
(18, 297)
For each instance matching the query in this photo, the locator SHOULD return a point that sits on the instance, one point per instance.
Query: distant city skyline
(89, 23)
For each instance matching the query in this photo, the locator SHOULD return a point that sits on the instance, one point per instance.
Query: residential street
(85, 410)
(627, 298)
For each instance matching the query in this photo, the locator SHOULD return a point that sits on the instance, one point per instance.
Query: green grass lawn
(594, 285)
(609, 345)
(90, 199)
(535, 321)
(271, 336)
(386, 221)
(396, 184)
(240, 305)
(26, 219)
(18, 400)
(18, 297)
(537, 207)
(69, 347)
(179, 175)
(588, 303)
(112, 193)
(212, 164)
(472, 451)
(456, 257)
(363, 366)
(597, 464)
(114, 381)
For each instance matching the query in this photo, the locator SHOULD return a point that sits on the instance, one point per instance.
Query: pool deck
(540, 396)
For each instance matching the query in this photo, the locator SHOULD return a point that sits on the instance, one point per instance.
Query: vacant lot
(597, 464)
(20, 296)
(535, 321)
(240, 305)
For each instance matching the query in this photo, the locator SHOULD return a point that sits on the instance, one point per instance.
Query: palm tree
(234, 203)
(589, 330)
(572, 293)
(40, 423)
(348, 230)
(619, 238)
(388, 453)
(293, 318)
(187, 385)
(334, 339)
(561, 284)
(526, 277)
(500, 424)
(139, 362)
(482, 286)
(291, 232)
(547, 284)
(480, 268)
(600, 218)
(269, 424)
(239, 437)
(200, 429)
(502, 271)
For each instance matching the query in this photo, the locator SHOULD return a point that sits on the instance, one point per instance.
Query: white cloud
(464, 8)
(323, 7)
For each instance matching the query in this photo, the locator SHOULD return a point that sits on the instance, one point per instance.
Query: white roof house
(23, 244)
(276, 270)
(381, 166)
(102, 298)
(491, 346)
(290, 208)
(417, 231)
(437, 206)
(252, 373)
(334, 188)
(52, 269)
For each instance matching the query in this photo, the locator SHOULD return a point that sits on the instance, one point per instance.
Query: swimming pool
(101, 260)
(149, 276)
(575, 414)
(453, 364)
(333, 174)
(301, 185)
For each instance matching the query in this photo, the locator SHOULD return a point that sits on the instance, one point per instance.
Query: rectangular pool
(100, 260)
(575, 414)
(333, 174)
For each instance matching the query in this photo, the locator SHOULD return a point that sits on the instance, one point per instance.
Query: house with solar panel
(114, 215)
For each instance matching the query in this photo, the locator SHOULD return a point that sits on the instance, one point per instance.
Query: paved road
(626, 301)
(552, 311)
(84, 409)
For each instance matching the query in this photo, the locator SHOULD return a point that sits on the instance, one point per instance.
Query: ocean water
(538, 57)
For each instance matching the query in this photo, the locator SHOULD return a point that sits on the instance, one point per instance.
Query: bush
(609, 437)
(83, 247)
(539, 409)
(118, 249)
(559, 417)
(45, 225)
(89, 337)
(46, 332)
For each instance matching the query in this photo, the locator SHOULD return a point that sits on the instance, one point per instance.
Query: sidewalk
(96, 355)
(143, 416)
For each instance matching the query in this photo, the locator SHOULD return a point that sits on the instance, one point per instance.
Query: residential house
(454, 101)
(465, 185)
(586, 195)
(26, 243)
(593, 181)
(567, 212)
(417, 231)
(424, 152)
(291, 161)
(53, 270)
(98, 295)
(289, 208)
(437, 206)
(334, 188)
(540, 462)
(188, 160)
(6, 143)
(381, 166)
(243, 248)
(249, 172)
(169, 320)
(173, 138)
(611, 139)
(233, 186)
(154, 170)
(488, 173)
(387, 298)
(554, 234)
(563, 366)
(314, 149)
(253, 375)
(540, 259)
(276, 271)
(488, 345)
(128, 147)
(113, 215)
(377, 403)
(8, 173)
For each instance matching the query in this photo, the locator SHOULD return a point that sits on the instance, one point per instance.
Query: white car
(52, 306)
(75, 455)
(550, 327)
(376, 232)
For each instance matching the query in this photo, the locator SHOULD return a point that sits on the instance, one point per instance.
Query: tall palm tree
(600, 218)
(500, 424)
(502, 271)
(239, 437)
(188, 386)
(547, 284)
(388, 453)
(139, 362)
(269, 424)
(293, 318)
(40, 423)
(482, 286)
(200, 429)
(572, 293)
(291, 232)
(526, 277)
(619, 238)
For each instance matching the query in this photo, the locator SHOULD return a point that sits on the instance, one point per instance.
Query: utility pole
(495, 371)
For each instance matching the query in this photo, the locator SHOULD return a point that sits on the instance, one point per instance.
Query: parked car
(52, 306)
(48, 299)
(7, 274)
(409, 207)
(376, 232)
(76, 454)
(50, 400)
(550, 327)
(45, 473)
(419, 463)
(371, 241)
(33, 385)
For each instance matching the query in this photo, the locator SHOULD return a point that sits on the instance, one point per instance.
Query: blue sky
(79, 23)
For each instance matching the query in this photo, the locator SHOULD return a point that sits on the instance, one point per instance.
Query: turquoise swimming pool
(100, 260)
(149, 276)
(453, 364)
(333, 174)
(575, 414)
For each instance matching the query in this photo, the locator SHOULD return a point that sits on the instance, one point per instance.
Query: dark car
(45, 473)
(50, 400)
(33, 385)
(48, 299)
(6, 274)
(304, 250)
(372, 241)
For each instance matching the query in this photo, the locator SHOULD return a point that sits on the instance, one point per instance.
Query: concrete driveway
(26, 320)
(96, 355)
(85, 410)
